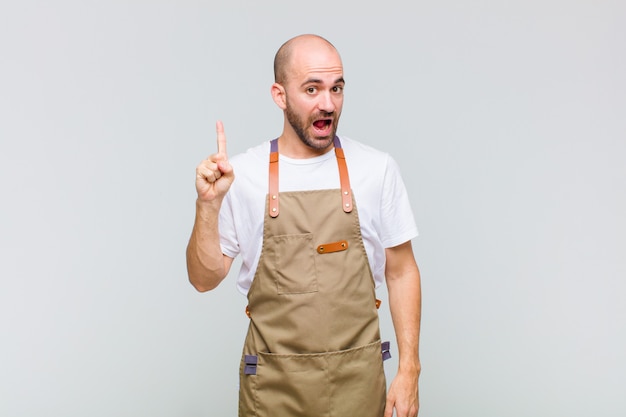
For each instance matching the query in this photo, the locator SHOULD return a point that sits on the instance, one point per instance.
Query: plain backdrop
(508, 119)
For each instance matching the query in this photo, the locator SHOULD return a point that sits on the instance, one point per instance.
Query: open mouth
(322, 126)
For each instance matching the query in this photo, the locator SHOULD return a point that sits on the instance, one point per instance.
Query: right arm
(207, 266)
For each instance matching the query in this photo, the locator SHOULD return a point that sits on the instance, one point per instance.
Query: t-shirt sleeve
(397, 220)
(228, 232)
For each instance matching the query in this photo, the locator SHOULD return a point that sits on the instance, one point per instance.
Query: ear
(278, 94)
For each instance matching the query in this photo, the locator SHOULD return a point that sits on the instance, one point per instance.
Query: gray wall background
(507, 118)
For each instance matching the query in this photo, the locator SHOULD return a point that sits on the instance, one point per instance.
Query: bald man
(311, 256)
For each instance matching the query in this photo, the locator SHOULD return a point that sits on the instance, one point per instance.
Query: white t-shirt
(384, 209)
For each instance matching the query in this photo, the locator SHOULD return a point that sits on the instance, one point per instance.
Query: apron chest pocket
(294, 263)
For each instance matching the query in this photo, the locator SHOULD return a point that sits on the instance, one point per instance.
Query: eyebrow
(339, 80)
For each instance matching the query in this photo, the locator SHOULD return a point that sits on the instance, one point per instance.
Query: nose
(326, 103)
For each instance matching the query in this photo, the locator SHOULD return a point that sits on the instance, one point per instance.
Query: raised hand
(214, 175)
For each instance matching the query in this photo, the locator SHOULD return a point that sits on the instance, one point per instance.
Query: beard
(300, 126)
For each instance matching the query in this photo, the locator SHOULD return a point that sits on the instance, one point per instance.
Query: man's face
(314, 96)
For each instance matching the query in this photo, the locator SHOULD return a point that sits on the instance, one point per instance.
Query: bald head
(283, 58)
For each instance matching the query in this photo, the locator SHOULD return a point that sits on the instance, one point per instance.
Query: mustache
(322, 115)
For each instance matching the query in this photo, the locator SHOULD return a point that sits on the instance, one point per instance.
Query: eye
(337, 89)
(311, 90)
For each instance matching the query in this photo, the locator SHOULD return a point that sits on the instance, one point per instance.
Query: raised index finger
(221, 138)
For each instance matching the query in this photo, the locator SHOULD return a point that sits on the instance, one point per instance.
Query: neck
(291, 146)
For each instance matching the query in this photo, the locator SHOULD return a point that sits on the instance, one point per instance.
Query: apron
(313, 344)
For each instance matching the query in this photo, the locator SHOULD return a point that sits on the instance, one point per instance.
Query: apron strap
(273, 190)
(344, 179)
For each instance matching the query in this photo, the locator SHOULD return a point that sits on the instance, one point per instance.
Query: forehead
(317, 60)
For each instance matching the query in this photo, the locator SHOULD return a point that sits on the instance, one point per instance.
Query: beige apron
(313, 345)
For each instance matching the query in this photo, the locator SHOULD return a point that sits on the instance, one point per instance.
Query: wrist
(211, 205)
(410, 367)
(208, 209)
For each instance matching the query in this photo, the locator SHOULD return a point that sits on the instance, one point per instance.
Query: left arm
(405, 301)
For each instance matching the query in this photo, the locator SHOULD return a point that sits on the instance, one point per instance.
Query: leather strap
(273, 188)
(344, 179)
(332, 247)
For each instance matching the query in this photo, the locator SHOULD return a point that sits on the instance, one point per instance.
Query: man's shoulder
(358, 147)
(250, 168)
(252, 156)
(361, 154)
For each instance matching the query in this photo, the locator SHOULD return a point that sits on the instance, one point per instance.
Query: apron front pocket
(358, 385)
(294, 263)
(292, 385)
(335, 384)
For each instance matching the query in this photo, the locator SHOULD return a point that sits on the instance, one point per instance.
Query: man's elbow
(204, 284)
(202, 287)
(207, 276)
